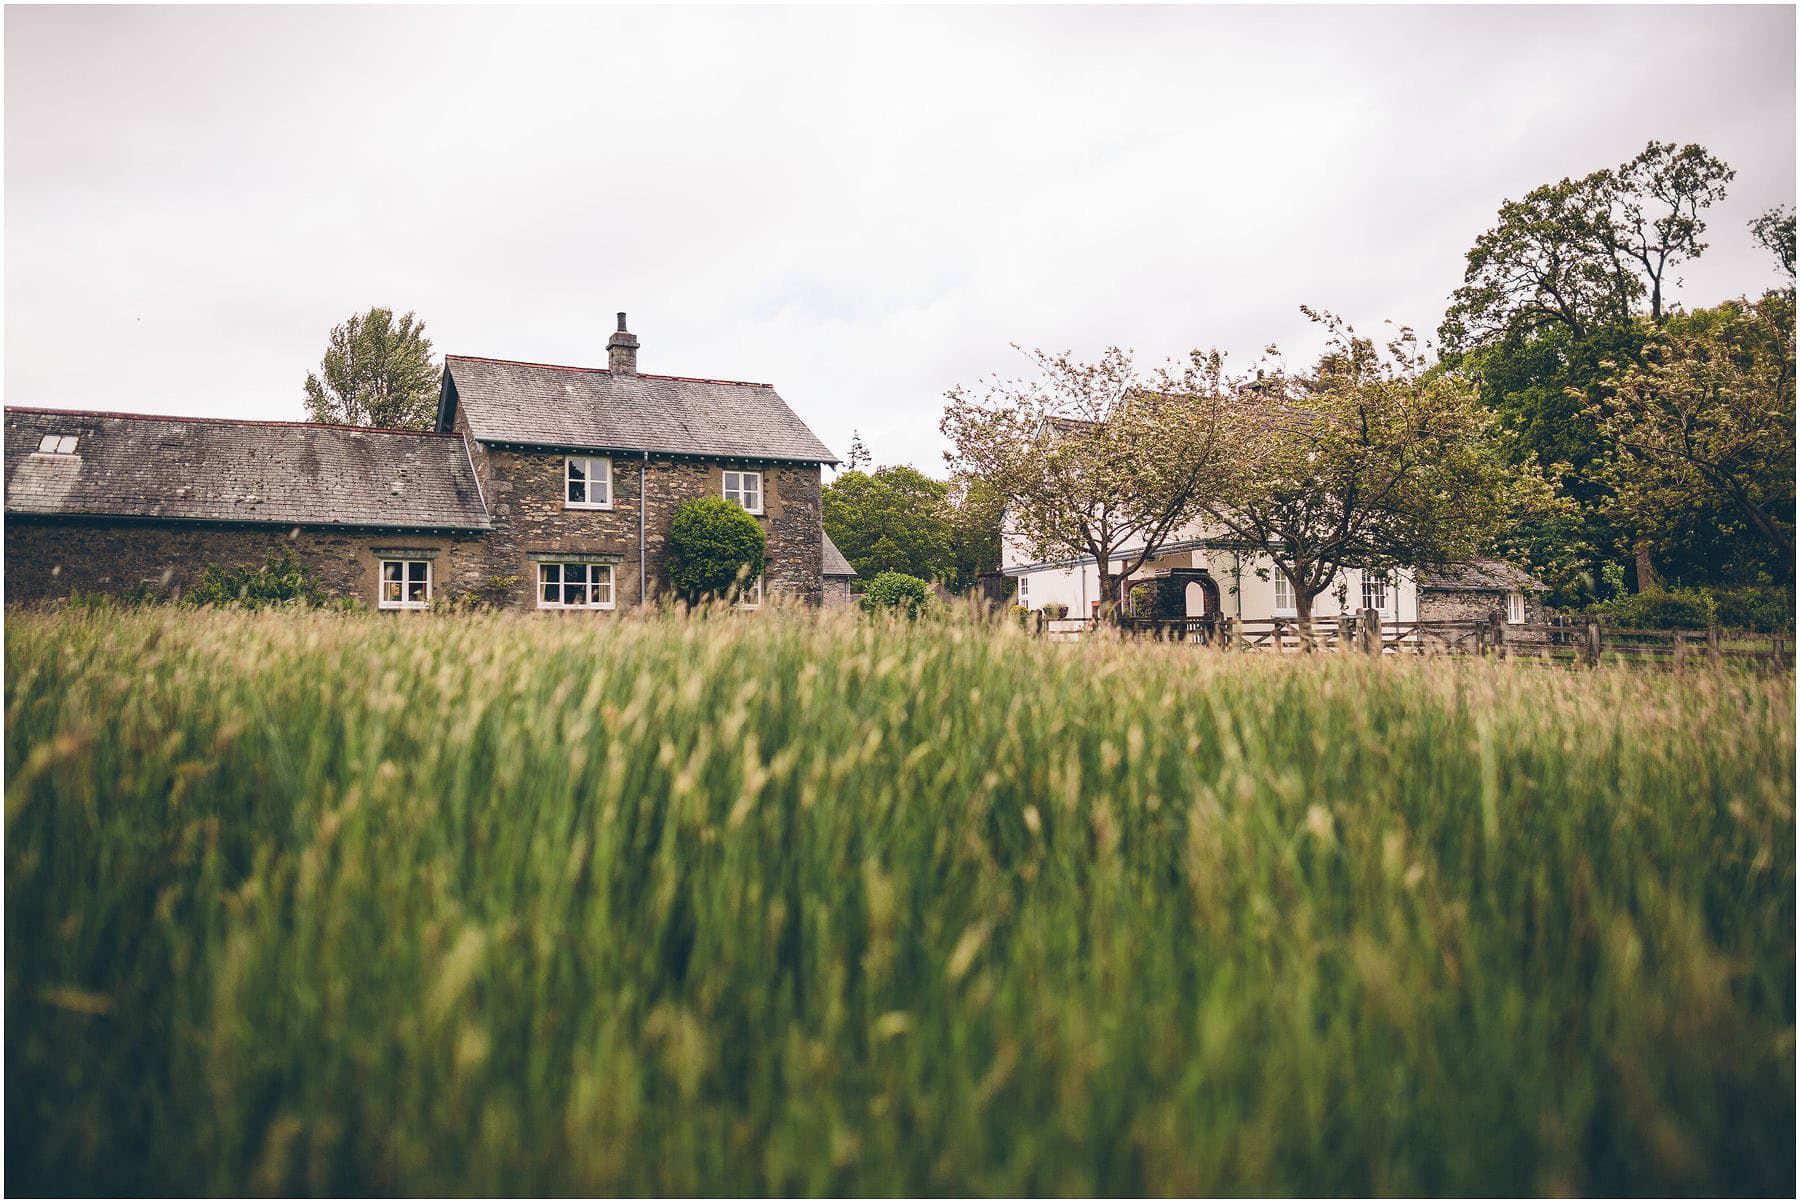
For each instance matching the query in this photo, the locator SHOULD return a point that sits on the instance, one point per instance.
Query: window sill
(586, 505)
(424, 605)
(574, 609)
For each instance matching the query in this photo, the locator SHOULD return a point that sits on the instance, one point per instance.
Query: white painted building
(1247, 585)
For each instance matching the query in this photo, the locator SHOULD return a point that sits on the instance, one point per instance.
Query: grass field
(506, 905)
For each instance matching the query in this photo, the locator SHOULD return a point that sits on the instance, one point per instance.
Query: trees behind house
(897, 519)
(377, 371)
(1562, 299)
(1701, 430)
(894, 519)
(1096, 459)
(1584, 254)
(1372, 461)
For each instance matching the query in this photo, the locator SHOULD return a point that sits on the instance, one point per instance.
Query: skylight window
(57, 444)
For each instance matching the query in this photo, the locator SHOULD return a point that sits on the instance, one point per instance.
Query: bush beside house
(713, 545)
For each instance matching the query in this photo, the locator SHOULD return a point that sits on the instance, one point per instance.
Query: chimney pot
(621, 351)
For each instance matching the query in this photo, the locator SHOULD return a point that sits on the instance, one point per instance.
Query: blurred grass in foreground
(313, 903)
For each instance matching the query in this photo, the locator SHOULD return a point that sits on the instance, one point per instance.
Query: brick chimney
(621, 351)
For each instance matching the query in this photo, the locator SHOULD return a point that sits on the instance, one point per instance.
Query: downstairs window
(575, 586)
(405, 584)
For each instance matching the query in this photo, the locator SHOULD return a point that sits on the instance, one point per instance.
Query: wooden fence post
(1712, 644)
(1497, 628)
(1346, 633)
(1680, 649)
(1590, 648)
(1371, 632)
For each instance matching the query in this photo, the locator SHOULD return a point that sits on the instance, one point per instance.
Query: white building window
(587, 483)
(1515, 606)
(745, 488)
(575, 586)
(58, 444)
(405, 584)
(1025, 592)
(1284, 592)
(1375, 591)
(751, 597)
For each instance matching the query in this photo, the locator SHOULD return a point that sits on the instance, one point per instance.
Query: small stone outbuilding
(1479, 589)
(837, 573)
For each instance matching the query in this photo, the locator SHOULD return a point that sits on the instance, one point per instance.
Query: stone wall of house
(48, 559)
(1474, 605)
(524, 491)
(836, 591)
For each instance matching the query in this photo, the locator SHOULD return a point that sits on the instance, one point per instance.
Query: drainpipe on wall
(643, 508)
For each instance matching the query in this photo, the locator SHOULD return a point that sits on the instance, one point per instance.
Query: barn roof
(73, 462)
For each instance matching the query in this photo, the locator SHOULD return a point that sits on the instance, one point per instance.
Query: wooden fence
(1574, 642)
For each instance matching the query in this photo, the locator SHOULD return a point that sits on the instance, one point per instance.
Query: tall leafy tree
(377, 371)
(1657, 200)
(1372, 461)
(894, 519)
(1548, 304)
(1702, 429)
(1095, 459)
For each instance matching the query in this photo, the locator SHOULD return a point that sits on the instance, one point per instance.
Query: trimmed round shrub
(712, 541)
(896, 592)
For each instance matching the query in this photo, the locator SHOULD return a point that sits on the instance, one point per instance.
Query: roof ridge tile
(109, 413)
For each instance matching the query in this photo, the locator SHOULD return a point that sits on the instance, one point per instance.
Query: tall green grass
(326, 903)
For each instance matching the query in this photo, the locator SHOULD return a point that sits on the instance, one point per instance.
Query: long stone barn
(542, 487)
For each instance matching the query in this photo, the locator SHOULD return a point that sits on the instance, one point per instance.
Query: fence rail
(1571, 642)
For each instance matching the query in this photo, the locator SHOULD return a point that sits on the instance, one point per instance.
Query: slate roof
(835, 563)
(219, 470)
(1480, 575)
(543, 405)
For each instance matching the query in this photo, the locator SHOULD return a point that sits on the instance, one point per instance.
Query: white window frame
(752, 596)
(383, 602)
(590, 583)
(58, 444)
(1025, 592)
(1379, 582)
(1515, 606)
(738, 492)
(1283, 587)
(569, 462)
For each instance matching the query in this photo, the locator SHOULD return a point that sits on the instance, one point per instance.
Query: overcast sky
(863, 207)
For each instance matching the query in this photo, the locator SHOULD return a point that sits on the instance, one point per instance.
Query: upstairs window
(587, 483)
(1284, 593)
(745, 488)
(58, 444)
(1375, 591)
(575, 587)
(405, 584)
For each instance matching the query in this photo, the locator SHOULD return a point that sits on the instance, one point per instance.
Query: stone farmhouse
(542, 487)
